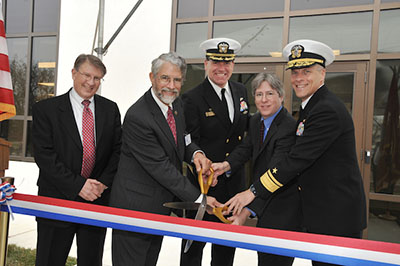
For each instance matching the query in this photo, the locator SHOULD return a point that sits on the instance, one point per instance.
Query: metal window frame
(30, 35)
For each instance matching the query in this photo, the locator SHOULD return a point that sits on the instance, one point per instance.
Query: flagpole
(100, 31)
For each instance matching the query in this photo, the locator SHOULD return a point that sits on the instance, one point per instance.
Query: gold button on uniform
(227, 140)
(240, 137)
(227, 154)
(299, 188)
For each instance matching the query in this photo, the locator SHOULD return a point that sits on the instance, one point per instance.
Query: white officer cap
(220, 49)
(305, 53)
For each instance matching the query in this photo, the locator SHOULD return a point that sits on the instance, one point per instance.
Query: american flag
(7, 107)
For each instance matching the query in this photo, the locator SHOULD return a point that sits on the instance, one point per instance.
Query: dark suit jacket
(149, 172)
(212, 130)
(330, 183)
(282, 210)
(58, 147)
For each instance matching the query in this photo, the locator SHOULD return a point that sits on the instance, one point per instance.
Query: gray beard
(167, 99)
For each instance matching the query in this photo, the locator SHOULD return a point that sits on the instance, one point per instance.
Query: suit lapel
(273, 129)
(255, 134)
(271, 132)
(159, 118)
(312, 102)
(236, 106)
(68, 120)
(211, 97)
(100, 119)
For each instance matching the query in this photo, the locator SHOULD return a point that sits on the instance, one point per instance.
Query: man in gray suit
(154, 146)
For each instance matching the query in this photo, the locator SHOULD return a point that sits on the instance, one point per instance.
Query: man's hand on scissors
(213, 203)
(240, 219)
(203, 163)
(239, 201)
(220, 168)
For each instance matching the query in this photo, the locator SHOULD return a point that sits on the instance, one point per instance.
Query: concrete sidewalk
(22, 231)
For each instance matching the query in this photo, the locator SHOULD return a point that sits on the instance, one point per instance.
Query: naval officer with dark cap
(217, 114)
(323, 156)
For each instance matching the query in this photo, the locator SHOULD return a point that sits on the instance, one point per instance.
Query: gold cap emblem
(223, 47)
(296, 51)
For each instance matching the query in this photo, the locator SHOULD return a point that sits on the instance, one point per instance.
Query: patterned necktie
(224, 103)
(89, 147)
(171, 123)
(262, 130)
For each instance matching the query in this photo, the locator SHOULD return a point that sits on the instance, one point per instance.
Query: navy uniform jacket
(212, 130)
(324, 158)
(282, 210)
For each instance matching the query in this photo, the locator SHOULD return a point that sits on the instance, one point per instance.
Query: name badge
(188, 139)
(210, 113)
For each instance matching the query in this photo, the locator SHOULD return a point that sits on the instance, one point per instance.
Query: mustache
(168, 90)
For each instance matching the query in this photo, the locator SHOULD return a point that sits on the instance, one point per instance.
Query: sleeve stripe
(269, 182)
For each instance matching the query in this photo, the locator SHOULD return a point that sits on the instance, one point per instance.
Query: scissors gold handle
(218, 212)
(204, 186)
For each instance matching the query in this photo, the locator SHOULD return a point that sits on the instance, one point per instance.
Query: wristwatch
(253, 190)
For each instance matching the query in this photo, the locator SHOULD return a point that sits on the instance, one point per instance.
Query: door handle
(367, 156)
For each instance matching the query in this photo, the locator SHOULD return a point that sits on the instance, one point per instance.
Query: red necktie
(89, 147)
(171, 122)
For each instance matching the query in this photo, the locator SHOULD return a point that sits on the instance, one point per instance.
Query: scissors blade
(199, 216)
(183, 205)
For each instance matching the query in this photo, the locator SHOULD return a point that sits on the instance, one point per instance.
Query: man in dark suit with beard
(77, 141)
(154, 145)
(217, 115)
(323, 158)
(270, 136)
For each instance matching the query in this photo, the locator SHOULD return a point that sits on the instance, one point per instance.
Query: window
(228, 7)
(389, 31)
(385, 165)
(32, 33)
(259, 37)
(313, 4)
(188, 39)
(192, 8)
(337, 31)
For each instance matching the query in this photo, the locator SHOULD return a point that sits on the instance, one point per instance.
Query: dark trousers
(220, 255)
(136, 249)
(54, 243)
(266, 259)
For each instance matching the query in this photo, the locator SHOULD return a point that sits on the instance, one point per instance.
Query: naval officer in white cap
(216, 113)
(324, 156)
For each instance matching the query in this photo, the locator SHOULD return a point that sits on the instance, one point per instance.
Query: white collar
(218, 89)
(163, 106)
(304, 103)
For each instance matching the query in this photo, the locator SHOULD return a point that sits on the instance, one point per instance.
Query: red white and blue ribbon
(6, 194)
(337, 250)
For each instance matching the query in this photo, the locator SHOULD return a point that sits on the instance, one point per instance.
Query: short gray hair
(272, 80)
(172, 58)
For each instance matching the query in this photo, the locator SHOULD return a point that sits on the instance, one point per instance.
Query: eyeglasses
(165, 79)
(268, 95)
(89, 77)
